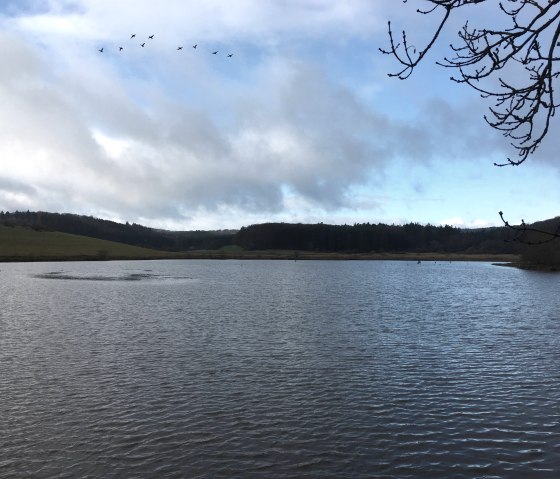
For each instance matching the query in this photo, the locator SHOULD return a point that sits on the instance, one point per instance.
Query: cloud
(159, 136)
(93, 139)
(208, 21)
(289, 126)
(16, 8)
(461, 223)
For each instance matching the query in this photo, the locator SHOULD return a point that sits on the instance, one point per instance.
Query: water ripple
(207, 369)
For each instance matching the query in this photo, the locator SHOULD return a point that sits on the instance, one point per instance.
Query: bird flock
(151, 37)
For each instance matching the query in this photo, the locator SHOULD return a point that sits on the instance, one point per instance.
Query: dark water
(202, 369)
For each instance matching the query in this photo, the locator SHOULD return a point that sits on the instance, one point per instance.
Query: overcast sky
(301, 124)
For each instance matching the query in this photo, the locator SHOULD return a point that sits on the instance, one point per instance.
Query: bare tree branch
(523, 233)
(524, 104)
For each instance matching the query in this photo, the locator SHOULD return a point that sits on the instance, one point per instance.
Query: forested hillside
(358, 238)
(367, 237)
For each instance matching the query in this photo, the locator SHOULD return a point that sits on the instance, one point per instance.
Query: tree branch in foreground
(530, 235)
(523, 94)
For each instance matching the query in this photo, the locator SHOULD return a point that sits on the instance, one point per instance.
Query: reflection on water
(278, 369)
(106, 277)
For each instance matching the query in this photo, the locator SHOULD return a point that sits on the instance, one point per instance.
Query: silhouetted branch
(522, 231)
(525, 103)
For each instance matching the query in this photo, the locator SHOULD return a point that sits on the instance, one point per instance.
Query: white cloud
(163, 137)
(459, 222)
(211, 20)
(153, 157)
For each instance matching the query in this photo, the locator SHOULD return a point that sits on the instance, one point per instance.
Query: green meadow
(26, 244)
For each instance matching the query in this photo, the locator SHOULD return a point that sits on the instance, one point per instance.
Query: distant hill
(316, 238)
(550, 225)
(543, 250)
(24, 244)
(132, 234)
(363, 238)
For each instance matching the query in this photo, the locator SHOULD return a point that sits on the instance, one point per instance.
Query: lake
(278, 369)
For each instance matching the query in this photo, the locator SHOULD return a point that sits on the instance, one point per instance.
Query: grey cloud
(16, 195)
(297, 130)
(10, 185)
(18, 8)
(237, 146)
(461, 134)
(14, 8)
(187, 159)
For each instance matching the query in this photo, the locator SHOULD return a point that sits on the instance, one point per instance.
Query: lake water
(278, 369)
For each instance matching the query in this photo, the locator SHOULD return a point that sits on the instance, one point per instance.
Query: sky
(300, 124)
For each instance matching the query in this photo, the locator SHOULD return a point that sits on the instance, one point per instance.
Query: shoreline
(500, 259)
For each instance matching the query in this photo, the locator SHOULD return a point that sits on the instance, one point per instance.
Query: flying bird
(194, 46)
(120, 49)
(213, 53)
(101, 50)
(133, 35)
(142, 45)
(230, 55)
(179, 48)
(151, 37)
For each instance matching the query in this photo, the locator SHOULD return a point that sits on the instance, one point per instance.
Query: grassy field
(25, 244)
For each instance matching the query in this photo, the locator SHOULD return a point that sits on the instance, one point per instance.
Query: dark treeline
(358, 238)
(132, 234)
(364, 238)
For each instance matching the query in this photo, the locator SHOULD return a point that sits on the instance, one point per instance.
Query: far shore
(508, 259)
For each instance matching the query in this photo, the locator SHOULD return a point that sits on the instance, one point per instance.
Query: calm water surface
(207, 369)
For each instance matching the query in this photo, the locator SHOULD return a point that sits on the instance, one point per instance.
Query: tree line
(366, 237)
(357, 238)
